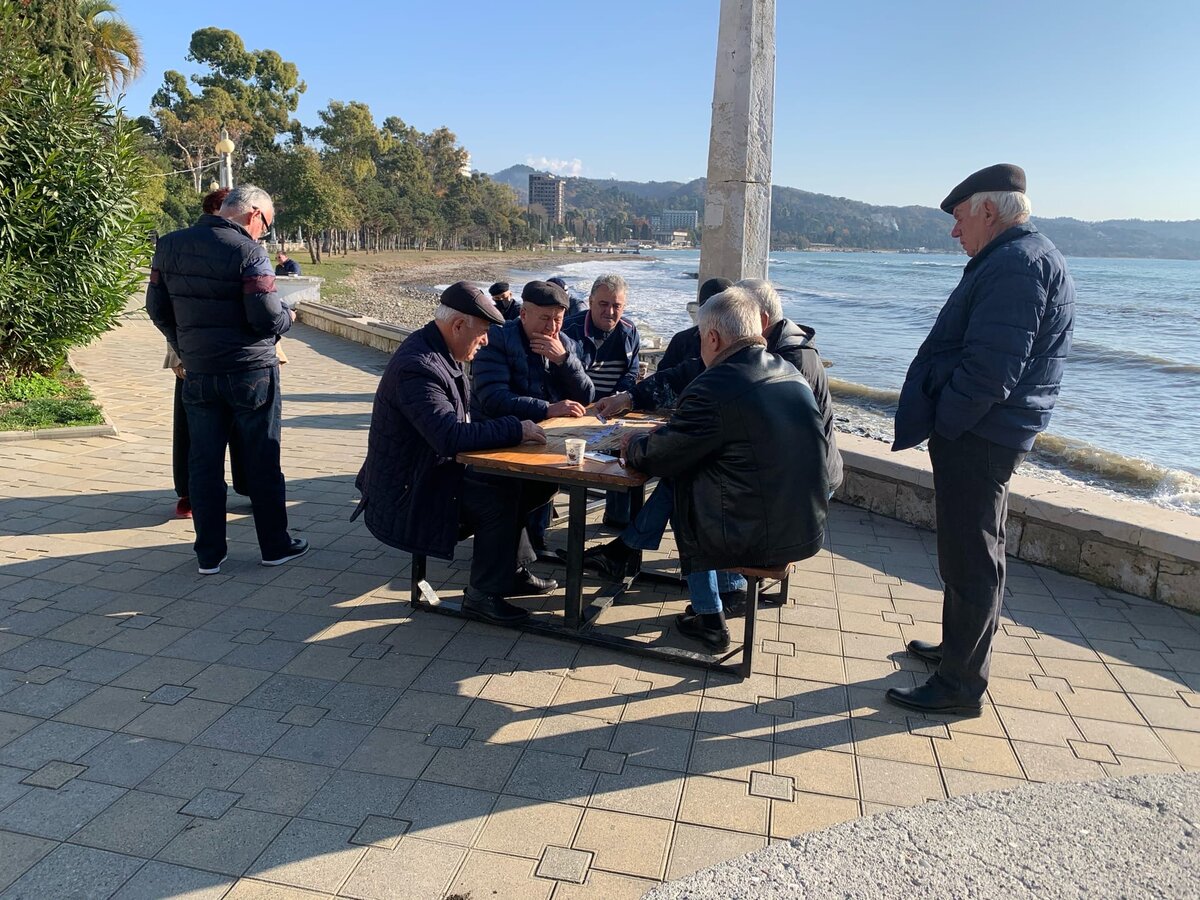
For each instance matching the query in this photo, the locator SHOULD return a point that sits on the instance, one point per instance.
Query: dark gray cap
(498, 288)
(466, 298)
(542, 293)
(711, 288)
(557, 279)
(1000, 177)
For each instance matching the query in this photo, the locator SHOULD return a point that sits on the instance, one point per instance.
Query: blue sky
(882, 101)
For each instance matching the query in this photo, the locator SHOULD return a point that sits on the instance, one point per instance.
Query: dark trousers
(970, 477)
(247, 408)
(495, 509)
(181, 444)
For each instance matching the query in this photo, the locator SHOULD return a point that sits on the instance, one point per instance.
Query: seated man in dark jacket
(286, 265)
(212, 293)
(501, 292)
(415, 495)
(685, 345)
(981, 388)
(746, 450)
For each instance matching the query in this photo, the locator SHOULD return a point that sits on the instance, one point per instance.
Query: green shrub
(30, 387)
(50, 413)
(72, 228)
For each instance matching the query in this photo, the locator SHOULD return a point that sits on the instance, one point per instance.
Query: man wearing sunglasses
(212, 294)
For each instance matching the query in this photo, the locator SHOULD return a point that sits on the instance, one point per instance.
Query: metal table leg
(576, 525)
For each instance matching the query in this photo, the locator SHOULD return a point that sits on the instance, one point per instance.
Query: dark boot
(612, 560)
(707, 628)
(525, 583)
(492, 608)
(733, 605)
(926, 650)
(933, 697)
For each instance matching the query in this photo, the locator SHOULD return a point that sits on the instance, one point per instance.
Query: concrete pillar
(737, 208)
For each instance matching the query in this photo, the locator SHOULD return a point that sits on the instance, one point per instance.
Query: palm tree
(113, 46)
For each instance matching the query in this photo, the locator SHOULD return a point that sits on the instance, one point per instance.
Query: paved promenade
(298, 732)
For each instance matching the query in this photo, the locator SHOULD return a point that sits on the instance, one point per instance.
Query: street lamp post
(224, 149)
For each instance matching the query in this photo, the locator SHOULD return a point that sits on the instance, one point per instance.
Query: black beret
(1000, 177)
(557, 279)
(711, 288)
(542, 293)
(466, 298)
(498, 288)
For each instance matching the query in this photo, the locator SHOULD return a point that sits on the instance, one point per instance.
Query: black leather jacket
(747, 451)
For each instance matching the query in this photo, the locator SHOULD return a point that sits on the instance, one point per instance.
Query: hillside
(801, 218)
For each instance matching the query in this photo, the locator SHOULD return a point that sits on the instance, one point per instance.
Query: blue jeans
(705, 589)
(247, 407)
(646, 531)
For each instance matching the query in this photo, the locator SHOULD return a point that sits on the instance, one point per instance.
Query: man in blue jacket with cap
(980, 389)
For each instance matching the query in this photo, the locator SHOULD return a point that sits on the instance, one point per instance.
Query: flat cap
(542, 293)
(557, 279)
(711, 288)
(1000, 177)
(466, 298)
(499, 288)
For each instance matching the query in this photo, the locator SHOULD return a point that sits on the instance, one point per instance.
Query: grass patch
(333, 270)
(34, 402)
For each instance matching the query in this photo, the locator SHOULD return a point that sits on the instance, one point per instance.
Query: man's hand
(531, 433)
(549, 347)
(179, 371)
(565, 408)
(292, 313)
(614, 405)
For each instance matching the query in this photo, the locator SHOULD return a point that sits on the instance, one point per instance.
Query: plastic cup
(575, 451)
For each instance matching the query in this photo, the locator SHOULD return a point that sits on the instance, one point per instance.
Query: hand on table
(568, 408)
(531, 433)
(549, 347)
(614, 405)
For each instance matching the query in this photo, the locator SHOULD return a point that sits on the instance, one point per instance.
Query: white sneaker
(213, 570)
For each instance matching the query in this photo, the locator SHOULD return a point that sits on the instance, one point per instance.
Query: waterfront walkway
(299, 732)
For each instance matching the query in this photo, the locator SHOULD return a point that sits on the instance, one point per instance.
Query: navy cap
(1000, 177)
(466, 298)
(711, 288)
(543, 293)
(557, 279)
(499, 288)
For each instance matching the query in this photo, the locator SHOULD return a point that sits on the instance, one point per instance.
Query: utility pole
(737, 207)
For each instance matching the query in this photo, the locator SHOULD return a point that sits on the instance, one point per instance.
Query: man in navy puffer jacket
(981, 388)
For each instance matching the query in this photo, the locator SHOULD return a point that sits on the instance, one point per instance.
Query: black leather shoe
(492, 608)
(549, 557)
(707, 628)
(733, 605)
(926, 650)
(612, 560)
(931, 697)
(525, 583)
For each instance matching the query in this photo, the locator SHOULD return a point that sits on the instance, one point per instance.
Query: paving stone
(499, 876)
(126, 760)
(449, 736)
(628, 844)
(551, 776)
(775, 787)
(362, 703)
(722, 803)
(17, 853)
(348, 797)
(183, 721)
(477, 764)
(370, 651)
(572, 735)
(327, 743)
(50, 741)
(139, 824)
(416, 870)
(445, 812)
(898, 783)
(54, 775)
(280, 786)
(226, 684)
(653, 745)
(313, 855)
(156, 880)
(244, 730)
(58, 814)
(304, 716)
(75, 872)
(525, 828)
(227, 845)
(385, 751)
(43, 674)
(11, 784)
(45, 700)
(695, 847)
(423, 712)
(251, 636)
(169, 694)
(201, 645)
(138, 622)
(193, 769)
(157, 671)
(210, 804)
(603, 761)
(646, 792)
(381, 832)
(270, 655)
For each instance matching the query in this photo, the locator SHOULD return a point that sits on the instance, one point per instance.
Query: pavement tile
(210, 804)
(139, 824)
(725, 804)
(11, 786)
(975, 753)
(49, 741)
(499, 876)
(126, 760)
(604, 761)
(193, 769)
(564, 864)
(270, 655)
(726, 756)
(244, 730)
(416, 870)
(58, 814)
(105, 707)
(347, 798)
(571, 735)
(525, 828)
(157, 671)
(17, 853)
(1038, 727)
(327, 743)
(695, 847)
(420, 711)
(280, 786)
(54, 775)
(891, 740)
(45, 700)
(168, 694)
(312, 855)
(182, 722)
(625, 844)
(476, 764)
(600, 885)
(898, 783)
(551, 776)
(385, 751)
(75, 872)
(653, 745)
(1042, 762)
(381, 832)
(227, 845)
(282, 692)
(1138, 741)
(959, 783)
(364, 704)
(156, 880)
(644, 791)
(226, 684)
(101, 666)
(446, 813)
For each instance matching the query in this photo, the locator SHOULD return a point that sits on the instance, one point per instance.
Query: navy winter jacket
(212, 294)
(684, 345)
(509, 379)
(410, 482)
(993, 363)
(611, 363)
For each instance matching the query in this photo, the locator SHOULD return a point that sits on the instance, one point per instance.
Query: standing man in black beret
(501, 292)
(981, 388)
(415, 496)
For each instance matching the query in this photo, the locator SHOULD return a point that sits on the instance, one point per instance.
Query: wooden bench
(755, 578)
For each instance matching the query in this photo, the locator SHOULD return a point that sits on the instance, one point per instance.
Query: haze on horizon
(875, 101)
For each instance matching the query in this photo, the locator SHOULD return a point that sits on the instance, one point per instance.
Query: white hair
(244, 198)
(733, 314)
(445, 313)
(615, 283)
(765, 296)
(1012, 207)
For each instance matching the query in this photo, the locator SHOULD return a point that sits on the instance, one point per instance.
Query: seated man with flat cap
(981, 388)
(531, 370)
(415, 495)
(509, 307)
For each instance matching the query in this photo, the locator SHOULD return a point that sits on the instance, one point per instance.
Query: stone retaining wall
(1124, 544)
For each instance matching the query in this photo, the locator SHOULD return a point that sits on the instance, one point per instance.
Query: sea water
(1128, 417)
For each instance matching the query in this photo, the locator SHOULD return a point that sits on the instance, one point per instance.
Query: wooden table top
(549, 462)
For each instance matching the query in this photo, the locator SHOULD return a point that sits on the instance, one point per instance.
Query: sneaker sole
(214, 570)
(283, 559)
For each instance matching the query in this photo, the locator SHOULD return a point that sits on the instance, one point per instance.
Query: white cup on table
(575, 448)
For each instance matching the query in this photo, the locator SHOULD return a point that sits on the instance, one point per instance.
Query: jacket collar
(221, 222)
(1004, 237)
(737, 346)
(437, 343)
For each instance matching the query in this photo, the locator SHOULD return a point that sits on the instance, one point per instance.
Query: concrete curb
(73, 431)
(1128, 837)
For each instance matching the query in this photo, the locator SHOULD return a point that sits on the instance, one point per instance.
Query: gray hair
(614, 283)
(765, 296)
(445, 313)
(244, 198)
(733, 314)
(1012, 207)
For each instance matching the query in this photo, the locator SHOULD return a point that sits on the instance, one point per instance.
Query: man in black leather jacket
(746, 450)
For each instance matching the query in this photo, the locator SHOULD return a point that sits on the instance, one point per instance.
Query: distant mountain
(801, 219)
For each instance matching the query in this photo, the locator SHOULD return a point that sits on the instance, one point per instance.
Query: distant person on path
(685, 344)
(415, 496)
(981, 388)
(578, 305)
(285, 265)
(609, 346)
(746, 453)
(501, 293)
(212, 294)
